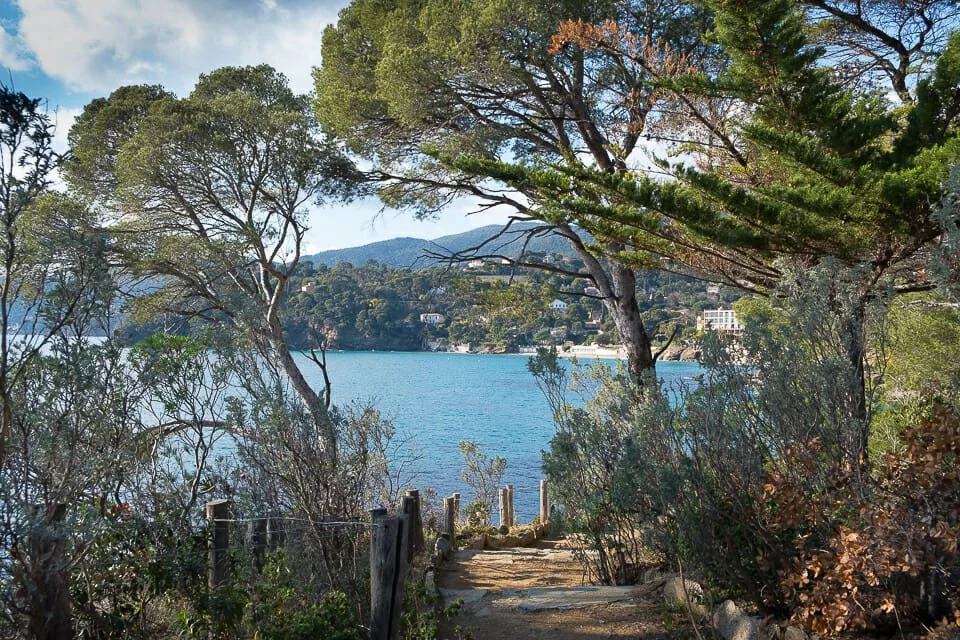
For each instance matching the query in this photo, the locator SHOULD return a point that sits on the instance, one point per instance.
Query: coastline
(674, 354)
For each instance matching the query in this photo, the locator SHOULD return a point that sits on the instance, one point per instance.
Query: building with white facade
(722, 320)
(432, 318)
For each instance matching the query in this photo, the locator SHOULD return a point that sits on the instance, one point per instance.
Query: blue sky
(71, 51)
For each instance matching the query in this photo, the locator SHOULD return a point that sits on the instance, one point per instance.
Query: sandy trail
(539, 593)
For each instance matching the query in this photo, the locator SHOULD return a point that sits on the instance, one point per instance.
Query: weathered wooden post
(388, 568)
(456, 505)
(544, 503)
(256, 540)
(504, 513)
(510, 521)
(410, 505)
(50, 615)
(276, 535)
(450, 520)
(218, 542)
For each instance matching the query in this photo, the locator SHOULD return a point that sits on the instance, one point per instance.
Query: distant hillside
(409, 252)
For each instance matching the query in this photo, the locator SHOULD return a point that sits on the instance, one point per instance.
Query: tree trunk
(626, 316)
(618, 287)
(856, 353)
(50, 615)
(310, 398)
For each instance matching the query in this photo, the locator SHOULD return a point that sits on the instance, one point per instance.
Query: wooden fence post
(450, 520)
(411, 506)
(388, 568)
(544, 503)
(510, 521)
(218, 542)
(504, 509)
(276, 535)
(256, 540)
(50, 615)
(456, 505)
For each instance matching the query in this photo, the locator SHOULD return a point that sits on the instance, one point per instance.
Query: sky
(72, 51)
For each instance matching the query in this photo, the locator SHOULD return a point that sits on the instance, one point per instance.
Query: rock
(745, 628)
(733, 624)
(442, 547)
(673, 590)
(771, 632)
(544, 599)
(477, 543)
(724, 617)
(674, 595)
(782, 632)
(509, 541)
(793, 633)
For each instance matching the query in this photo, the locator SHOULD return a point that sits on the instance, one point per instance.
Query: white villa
(432, 318)
(558, 305)
(721, 320)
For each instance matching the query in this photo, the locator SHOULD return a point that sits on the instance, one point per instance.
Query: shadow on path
(539, 593)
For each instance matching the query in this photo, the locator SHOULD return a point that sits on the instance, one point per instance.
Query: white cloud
(62, 119)
(13, 53)
(98, 46)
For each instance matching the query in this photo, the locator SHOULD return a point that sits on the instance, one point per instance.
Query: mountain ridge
(409, 252)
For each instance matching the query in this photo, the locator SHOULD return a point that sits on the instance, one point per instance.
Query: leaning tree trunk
(314, 403)
(626, 316)
(856, 352)
(618, 287)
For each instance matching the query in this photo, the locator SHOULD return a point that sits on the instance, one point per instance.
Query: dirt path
(538, 593)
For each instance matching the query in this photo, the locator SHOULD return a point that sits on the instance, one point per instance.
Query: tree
(811, 168)
(208, 196)
(49, 259)
(435, 94)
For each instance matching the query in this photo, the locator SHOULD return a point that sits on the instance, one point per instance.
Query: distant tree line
(491, 307)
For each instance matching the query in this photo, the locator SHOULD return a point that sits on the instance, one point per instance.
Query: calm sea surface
(436, 400)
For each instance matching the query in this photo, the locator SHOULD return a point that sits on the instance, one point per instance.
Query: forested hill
(409, 252)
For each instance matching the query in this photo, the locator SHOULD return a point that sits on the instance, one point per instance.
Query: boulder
(733, 624)
(793, 633)
(675, 595)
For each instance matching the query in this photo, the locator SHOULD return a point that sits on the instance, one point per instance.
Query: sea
(436, 400)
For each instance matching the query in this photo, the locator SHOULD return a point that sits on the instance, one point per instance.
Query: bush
(608, 467)
(860, 563)
(482, 474)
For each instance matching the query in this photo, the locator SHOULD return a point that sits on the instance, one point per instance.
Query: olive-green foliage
(609, 466)
(686, 478)
(421, 615)
(922, 352)
(278, 609)
(483, 475)
(207, 195)
(271, 604)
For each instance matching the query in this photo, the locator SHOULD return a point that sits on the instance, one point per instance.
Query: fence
(394, 540)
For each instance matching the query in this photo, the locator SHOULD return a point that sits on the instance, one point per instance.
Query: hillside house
(559, 305)
(720, 320)
(432, 319)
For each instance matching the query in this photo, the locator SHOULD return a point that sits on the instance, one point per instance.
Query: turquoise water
(436, 400)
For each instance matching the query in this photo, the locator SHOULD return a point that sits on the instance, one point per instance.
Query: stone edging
(523, 539)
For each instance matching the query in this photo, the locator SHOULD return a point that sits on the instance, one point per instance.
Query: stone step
(480, 602)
